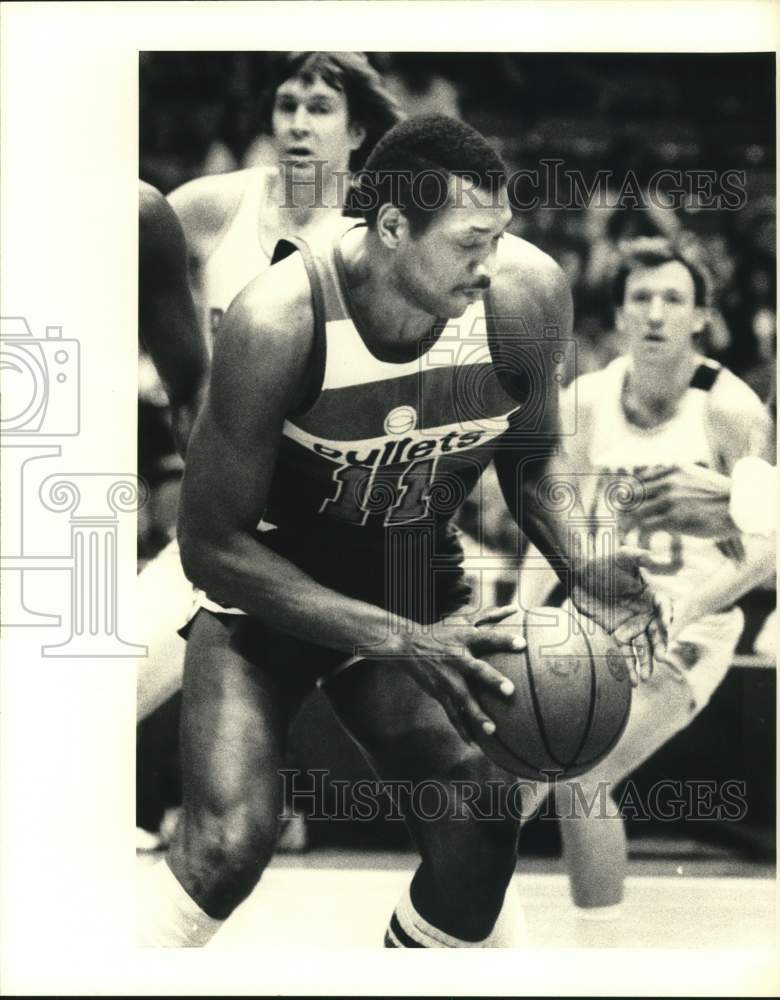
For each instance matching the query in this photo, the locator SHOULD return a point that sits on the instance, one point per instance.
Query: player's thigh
(403, 730)
(242, 685)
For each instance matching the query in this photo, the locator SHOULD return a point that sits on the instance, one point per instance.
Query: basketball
(571, 702)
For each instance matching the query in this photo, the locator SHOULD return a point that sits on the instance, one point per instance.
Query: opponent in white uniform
(661, 405)
(326, 111)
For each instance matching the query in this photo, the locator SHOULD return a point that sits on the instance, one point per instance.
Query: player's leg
(592, 831)
(164, 598)
(236, 712)
(467, 863)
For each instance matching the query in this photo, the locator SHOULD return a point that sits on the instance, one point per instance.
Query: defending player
(325, 111)
(349, 412)
(169, 329)
(662, 405)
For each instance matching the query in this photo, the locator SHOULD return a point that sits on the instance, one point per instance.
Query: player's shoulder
(737, 421)
(206, 205)
(731, 397)
(274, 311)
(539, 274)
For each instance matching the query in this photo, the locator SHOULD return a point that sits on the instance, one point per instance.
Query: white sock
(408, 929)
(612, 912)
(167, 916)
(510, 930)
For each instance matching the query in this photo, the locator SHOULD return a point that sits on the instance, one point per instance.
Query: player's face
(451, 264)
(310, 122)
(659, 314)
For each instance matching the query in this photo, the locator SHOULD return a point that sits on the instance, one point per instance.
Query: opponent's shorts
(415, 573)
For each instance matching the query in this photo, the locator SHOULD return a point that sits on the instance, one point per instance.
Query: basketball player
(169, 330)
(325, 111)
(358, 390)
(659, 406)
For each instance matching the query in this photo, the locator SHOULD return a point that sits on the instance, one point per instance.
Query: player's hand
(448, 666)
(688, 500)
(612, 591)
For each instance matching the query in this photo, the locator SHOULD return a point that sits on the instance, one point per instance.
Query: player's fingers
(477, 719)
(631, 556)
(642, 648)
(491, 616)
(481, 673)
(456, 717)
(655, 473)
(496, 640)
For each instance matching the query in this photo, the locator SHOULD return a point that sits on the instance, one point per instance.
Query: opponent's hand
(612, 591)
(447, 665)
(687, 500)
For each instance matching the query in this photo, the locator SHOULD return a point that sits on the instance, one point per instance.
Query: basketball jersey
(239, 256)
(383, 443)
(619, 449)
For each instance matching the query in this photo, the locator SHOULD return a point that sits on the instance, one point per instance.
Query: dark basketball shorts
(414, 572)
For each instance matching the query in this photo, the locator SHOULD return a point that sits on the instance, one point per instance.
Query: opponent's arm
(727, 585)
(739, 428)
(166, 312)
(535, 473)
(257, 378)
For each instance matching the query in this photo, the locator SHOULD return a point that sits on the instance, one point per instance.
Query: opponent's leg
(235, 718)
(467, 863)
(164, 598)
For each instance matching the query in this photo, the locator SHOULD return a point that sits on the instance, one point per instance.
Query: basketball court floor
(343, 899)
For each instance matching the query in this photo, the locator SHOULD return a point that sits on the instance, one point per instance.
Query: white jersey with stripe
(618, 450)
(239, 254)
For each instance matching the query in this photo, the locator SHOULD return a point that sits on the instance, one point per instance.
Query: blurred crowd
(591, 133)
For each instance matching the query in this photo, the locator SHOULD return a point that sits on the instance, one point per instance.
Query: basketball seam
(592, 706)
(602, 754)
(535, 701)
(516, 756)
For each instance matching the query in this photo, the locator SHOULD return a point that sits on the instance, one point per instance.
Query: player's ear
(391, 225)
(701, 316)
(357, 135)
(620, 325)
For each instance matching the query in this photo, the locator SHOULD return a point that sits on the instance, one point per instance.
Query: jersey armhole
(315, 370)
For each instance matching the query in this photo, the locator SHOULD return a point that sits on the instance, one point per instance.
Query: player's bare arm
(609, 590)
(259, 375)
(166, 312)
(205, 207)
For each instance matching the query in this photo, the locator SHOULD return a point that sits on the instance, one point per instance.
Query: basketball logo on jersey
(401, 420)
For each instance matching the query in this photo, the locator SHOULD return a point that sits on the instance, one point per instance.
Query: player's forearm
(248, 575)
(728, 585)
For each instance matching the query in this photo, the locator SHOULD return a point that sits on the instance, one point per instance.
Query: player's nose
(300, 120)
(656, 312)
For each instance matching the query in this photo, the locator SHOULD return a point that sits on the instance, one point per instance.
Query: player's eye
(320, 108)
(286, 106)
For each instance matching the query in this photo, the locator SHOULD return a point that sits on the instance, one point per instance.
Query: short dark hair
(410, 168)
(369, 102)
(654, 252)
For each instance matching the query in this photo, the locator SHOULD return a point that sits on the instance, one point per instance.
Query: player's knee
(226, 854)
